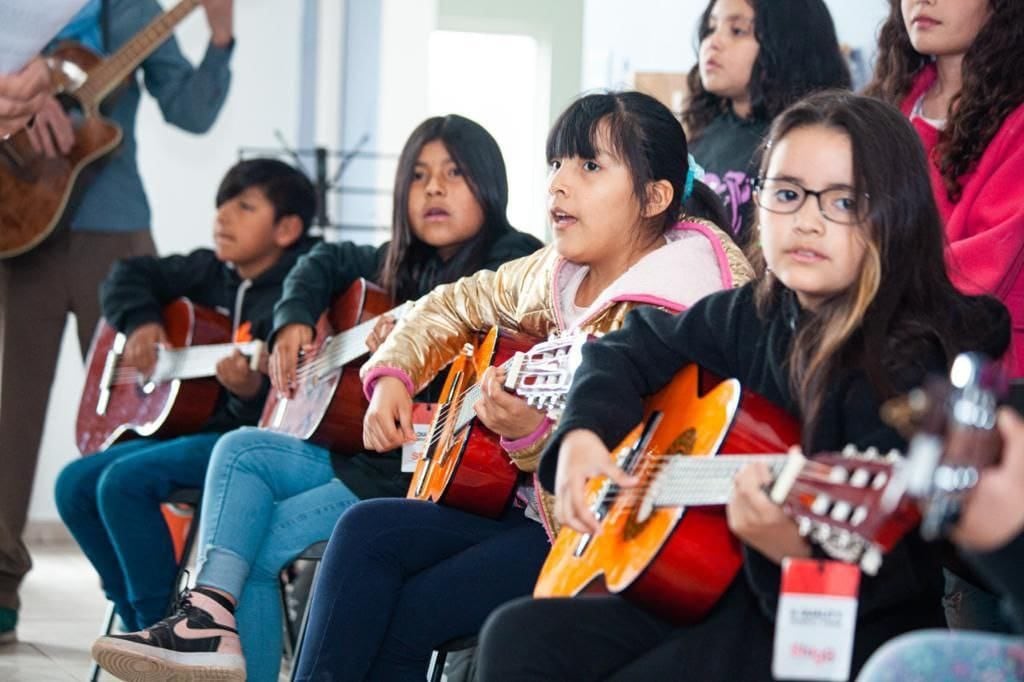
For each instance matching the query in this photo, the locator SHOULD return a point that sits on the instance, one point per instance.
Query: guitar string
(811, 471)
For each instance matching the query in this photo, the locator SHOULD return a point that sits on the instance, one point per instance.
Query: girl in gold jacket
(401, 577)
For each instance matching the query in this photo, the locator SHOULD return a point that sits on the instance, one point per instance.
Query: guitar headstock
(836, 500)
(543, 374)
(955, 440)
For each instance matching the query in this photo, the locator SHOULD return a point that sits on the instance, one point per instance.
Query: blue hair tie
(694, 171)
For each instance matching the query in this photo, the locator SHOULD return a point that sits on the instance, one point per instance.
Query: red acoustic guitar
(464, 465)
(177, 398)
(328, 405)
(667, 545)
(36, 190)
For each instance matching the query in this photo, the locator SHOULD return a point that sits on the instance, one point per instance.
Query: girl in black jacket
(853, 306)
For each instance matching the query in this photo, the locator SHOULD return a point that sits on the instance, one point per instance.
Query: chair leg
(436, 670)
(286, 622)
(186, 551)
(304, 622)
(108, 626)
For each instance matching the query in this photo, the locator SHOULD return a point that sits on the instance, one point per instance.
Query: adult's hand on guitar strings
(284, 360)
(758, 521)
(581, 457)
(384, 326)
(235, 374)
(140, 350)
(51, 134)
(505, 414)
(388, 420)
(22, 94)
(993, 513)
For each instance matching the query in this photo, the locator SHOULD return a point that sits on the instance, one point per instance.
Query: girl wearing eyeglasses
(852, 306)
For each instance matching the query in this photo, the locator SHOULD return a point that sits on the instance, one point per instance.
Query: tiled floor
(62, 611)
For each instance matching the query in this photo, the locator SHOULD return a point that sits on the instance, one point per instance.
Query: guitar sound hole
(634, 526)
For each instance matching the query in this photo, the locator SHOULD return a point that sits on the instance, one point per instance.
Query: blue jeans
(267, 497)
(400, 577)
(110, 501)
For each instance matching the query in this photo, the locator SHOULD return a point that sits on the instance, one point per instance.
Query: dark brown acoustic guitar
(36, 190)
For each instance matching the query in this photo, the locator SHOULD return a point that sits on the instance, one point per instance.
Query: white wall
(181, 172)
(406, 71)
(659, 35)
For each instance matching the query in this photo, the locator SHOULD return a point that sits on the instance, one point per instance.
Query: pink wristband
(377, 373)
(528, 440)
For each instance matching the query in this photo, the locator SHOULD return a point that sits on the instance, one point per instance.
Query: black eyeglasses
(840, 204)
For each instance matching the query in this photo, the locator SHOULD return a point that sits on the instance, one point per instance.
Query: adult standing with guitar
(112, 220)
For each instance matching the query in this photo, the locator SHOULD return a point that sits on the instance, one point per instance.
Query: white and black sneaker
(193, 644)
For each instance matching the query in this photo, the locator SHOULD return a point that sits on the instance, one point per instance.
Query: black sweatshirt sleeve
(622, 368)
(137, 289)
(320, 275)
(1002, 569)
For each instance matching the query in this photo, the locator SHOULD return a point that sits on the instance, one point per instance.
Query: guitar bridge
(107, 378)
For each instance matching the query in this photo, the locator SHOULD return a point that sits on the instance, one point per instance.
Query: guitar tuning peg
(841, 511)
(838, 474)
(850, 450)
(871, 453)
(860, 478)
(871, 561)
(821, 504)
(880, 480)
(859, 515)
(804, 526)
(894, 455)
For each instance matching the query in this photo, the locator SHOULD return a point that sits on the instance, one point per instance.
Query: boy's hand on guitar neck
(507, 415)
(51, 133)
(140, 350)
(993, 513)
(388, 421)
(582, 456)
(759, 522)
(292, 339)
(235, 374)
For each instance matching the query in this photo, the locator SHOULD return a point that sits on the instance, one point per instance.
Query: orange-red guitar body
(676, 562)
(465, 466)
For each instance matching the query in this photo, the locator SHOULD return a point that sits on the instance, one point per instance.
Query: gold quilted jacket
(524, 295)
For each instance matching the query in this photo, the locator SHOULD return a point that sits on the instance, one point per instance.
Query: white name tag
(422, 416)
(817, 617)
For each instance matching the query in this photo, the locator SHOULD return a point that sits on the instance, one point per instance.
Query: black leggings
(593, 638)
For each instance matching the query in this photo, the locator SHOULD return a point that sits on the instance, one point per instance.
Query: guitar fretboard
(197, 362)
(108, 74)
(687, 480)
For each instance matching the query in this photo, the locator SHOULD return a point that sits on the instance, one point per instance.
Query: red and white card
(422, 417)
(817, 617)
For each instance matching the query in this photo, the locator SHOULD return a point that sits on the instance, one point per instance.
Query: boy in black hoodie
(111, 500)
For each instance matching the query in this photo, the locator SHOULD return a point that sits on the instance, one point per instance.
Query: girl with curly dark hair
(756, 57)
(953, 67)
